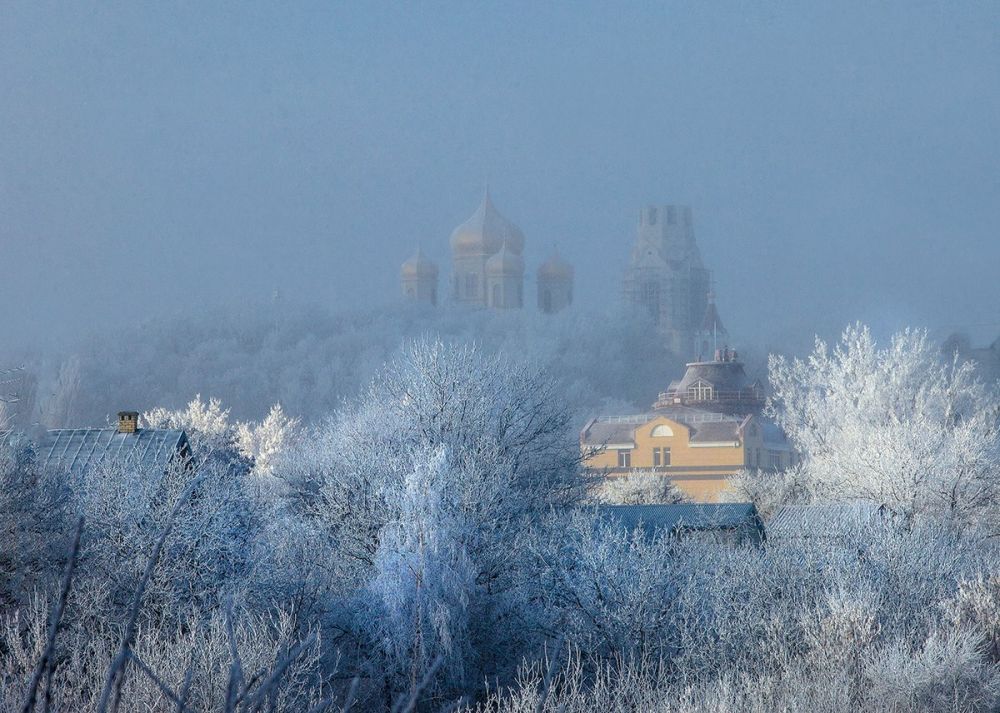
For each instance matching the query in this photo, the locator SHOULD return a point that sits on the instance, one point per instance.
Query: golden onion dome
(555, 268)
(419, 266)
(485, 232)
(505, 263)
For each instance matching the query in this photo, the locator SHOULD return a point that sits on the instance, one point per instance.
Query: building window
(496, 295)
(700, 391)
(624, 458)
(666, 456)
(471, 285)
(662, 431)
(656, 457)
(775, 459)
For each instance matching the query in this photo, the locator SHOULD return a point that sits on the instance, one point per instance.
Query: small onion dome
(419, 266)
(485, 231)
(506, 262)
(555, 268)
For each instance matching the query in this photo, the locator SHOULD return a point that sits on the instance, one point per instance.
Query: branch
(47, 661)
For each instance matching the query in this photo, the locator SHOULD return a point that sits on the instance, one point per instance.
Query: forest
(387, 511)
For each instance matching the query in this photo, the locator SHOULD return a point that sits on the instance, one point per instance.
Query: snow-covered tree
(265, 441)
(892, 423)
(424, 581)
(638, 487)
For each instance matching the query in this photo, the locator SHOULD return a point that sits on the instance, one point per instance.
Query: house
(737, 523)
(704, 429)
(75, 450)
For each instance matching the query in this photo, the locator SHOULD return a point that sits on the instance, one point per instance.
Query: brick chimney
(128, 421)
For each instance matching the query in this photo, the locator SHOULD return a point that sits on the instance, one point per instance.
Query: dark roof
(722, 375)
(77, 449)
(682, 517)
(716, 431)
(600, 432)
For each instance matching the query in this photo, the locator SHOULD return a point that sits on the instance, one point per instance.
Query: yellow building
(704, 429)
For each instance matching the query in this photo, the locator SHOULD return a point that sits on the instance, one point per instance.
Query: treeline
(310, 359)
(430, 545)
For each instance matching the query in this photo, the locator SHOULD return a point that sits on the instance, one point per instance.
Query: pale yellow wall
(701, 472)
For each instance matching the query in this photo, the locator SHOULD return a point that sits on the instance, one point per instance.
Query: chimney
(128, 421)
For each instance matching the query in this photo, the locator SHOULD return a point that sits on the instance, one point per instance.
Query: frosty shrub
(893, 424)
(637, 487)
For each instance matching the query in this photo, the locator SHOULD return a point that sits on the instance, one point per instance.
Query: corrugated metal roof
(77, 449)
(682, 517)
(822, 521)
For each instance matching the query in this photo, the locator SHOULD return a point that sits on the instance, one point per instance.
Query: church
(666, 278)
(488, 267)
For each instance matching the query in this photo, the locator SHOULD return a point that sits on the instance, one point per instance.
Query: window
(496, 295)
(775, 459)
(666, 456)
(656, 457)
(471, 285)
(700, 391)
(624, 458)
(662, 431)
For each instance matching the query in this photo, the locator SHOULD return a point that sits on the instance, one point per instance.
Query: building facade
(704, 429)
(478, 278)
(667, 278)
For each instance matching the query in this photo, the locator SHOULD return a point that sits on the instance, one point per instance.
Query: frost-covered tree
(424, 585)
(892, 423)
(265, 441)
(638, 487)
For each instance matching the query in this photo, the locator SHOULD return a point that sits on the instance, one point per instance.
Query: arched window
(700, 391)
(662, 431)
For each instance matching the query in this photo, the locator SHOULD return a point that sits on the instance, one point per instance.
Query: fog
(164, 159)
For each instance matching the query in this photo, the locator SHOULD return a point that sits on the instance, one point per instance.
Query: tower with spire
(666, 277)
(711, 334)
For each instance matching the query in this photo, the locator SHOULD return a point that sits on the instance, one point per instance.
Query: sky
(842, 159)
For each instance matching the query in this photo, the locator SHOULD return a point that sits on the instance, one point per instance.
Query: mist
(161, 160)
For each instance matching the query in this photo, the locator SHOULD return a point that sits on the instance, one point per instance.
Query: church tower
(555, 285)
(666, 276)
(505, 279)
(419, 277)
(485, 235)
(711, 333)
